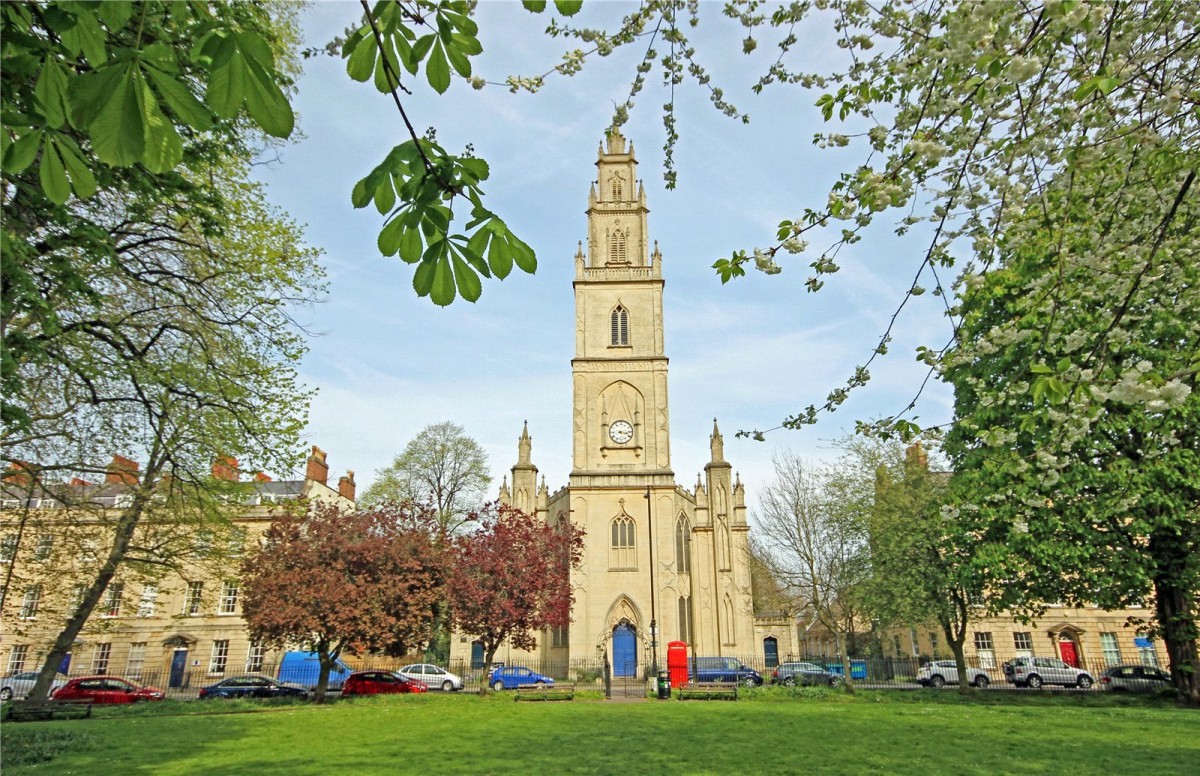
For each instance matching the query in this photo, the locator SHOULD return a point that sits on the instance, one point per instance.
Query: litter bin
(664, 686)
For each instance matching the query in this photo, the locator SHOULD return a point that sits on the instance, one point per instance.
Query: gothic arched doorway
(624, 649)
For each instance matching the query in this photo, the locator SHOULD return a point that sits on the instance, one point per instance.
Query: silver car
(942, 672)
(1135, 678)
(19, 685)
(433, 677)
(1033, 672)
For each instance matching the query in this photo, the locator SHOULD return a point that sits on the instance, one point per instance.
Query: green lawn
(771, 733)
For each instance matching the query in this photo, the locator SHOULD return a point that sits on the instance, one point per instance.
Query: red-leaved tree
(334, 581)
(512, 578)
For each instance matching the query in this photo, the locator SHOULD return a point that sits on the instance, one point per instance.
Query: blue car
(510, 677)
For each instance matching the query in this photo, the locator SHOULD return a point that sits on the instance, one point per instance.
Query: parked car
(942, 672)
(1135, 678)
(1036, 671)
(253, 686)
(509, 677)
(790, 674)
(19, 685)
(107, 689)
(380, 683)
(433, 677)
(723, 669)
(304, 668)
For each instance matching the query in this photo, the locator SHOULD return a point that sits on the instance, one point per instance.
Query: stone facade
(661, 562)
(177, 629)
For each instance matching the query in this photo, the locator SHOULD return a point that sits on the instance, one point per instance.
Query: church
(661, 562)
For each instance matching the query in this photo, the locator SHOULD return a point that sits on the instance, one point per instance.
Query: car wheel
(6, 694)
(789, 681)
(835, 681)
(1084, 682)
(447, 686)
(497, 685)
(982, 682)
(749, 682)
(937, 681)
(1034, 682)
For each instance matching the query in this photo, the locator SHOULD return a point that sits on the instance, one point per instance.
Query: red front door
(1066, 651)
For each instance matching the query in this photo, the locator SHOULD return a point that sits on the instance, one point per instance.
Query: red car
(379, 683)
(107, 689)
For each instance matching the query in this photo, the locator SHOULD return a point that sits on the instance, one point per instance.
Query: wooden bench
(545, 692)
(23, 711)
(707, 691)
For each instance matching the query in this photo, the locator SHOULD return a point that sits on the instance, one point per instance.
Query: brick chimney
(260, 477)
(225, 468)
(346, 485)
(122, 471)
(318, 470)
(21, 474)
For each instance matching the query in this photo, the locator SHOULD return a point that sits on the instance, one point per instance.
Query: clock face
(620, 432)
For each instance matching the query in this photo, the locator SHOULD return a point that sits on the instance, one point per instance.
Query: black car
(790, 674)
(252, 686)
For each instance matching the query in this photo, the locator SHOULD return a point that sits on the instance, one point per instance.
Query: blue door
(624, 650)
(64, 667)
(477, 654)
(178, 666)
(771, 651)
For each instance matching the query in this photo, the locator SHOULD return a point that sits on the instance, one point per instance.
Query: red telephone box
(677, 663)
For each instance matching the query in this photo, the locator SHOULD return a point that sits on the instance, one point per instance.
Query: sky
(387, 363)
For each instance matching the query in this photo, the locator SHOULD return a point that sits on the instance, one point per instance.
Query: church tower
(660, 563)
(620, 370)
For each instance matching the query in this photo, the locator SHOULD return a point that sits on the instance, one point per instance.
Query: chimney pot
(346, 485)
(122, 471)
(318, 470)
(225, 467)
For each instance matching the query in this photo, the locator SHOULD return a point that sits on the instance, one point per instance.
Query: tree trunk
(489, 654)
(122, 536)
(954, 628)
(1173, 605)
(844, 654)
(327, 659)
(955, 642)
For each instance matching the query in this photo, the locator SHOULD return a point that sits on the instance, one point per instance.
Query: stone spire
(717, 444)
(524, 446)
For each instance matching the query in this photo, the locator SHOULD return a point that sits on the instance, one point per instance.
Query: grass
(776, 730)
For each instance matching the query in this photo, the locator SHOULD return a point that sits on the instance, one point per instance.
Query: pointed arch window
(624, 544)
(618, 186)
(685, 619)
(727, 620)
(616, 248)
(683, 546)
(723, 550)
(620, 325)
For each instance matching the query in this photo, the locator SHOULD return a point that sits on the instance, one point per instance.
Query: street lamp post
(653, 621)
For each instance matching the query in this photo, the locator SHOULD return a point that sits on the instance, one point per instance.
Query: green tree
(183, 349)
(441, 466)
(923, 568)
(1076, 407)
